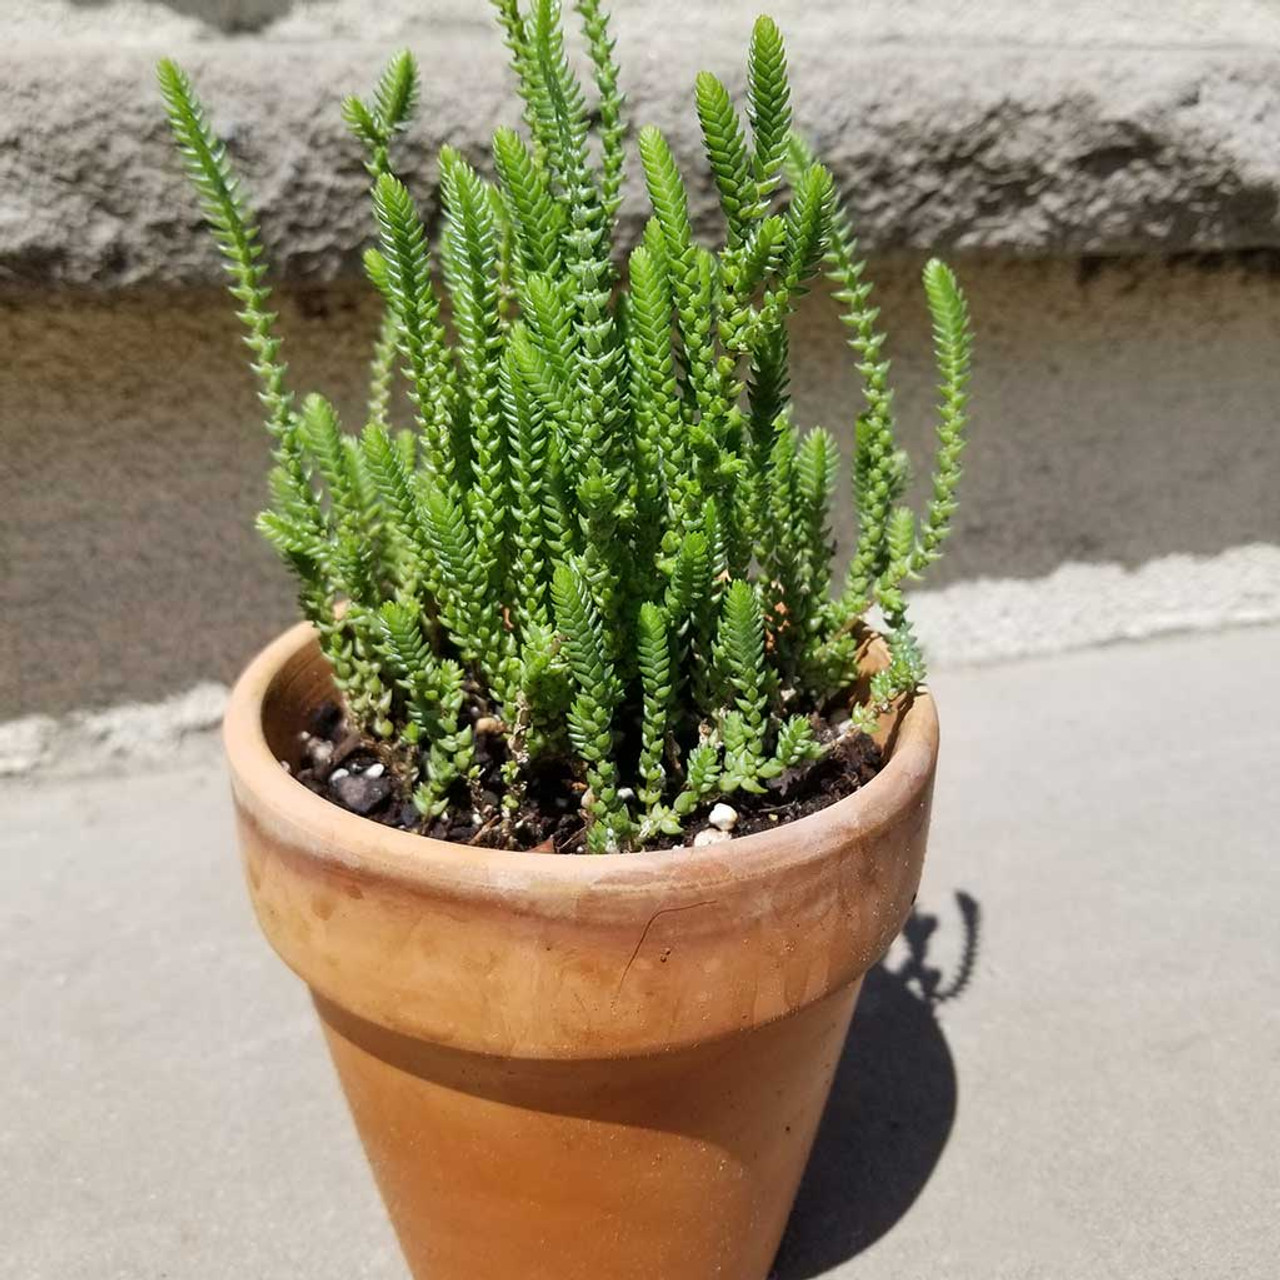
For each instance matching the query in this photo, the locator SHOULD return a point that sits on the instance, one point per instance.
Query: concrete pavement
(1100, 1097)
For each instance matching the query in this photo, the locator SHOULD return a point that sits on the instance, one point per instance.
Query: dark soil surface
(368, 779)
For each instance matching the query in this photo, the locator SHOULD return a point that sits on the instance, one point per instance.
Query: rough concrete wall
(1106, 172)
(1025, 128)
(1123, 414)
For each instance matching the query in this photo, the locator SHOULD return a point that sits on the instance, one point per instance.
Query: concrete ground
(1070, 1071)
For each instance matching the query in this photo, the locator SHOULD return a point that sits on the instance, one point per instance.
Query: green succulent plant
(603, 541)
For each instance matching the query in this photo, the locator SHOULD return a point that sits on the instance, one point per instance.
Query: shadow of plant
(891, 1108)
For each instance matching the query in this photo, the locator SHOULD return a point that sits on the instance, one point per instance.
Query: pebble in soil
(365, 778)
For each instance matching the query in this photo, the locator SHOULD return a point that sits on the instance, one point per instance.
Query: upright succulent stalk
(602, 539)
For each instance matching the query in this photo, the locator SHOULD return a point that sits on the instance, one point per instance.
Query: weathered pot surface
(579, 1068)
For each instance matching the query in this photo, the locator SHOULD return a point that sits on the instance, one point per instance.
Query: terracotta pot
(576, 1068)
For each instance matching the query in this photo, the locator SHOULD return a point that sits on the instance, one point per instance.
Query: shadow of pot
(890, 1112)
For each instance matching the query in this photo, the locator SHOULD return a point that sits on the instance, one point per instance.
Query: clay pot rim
(333, 834)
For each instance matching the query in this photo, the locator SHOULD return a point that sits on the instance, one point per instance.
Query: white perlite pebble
(724, 816)
(338, 774)
(375, 770)
(710, 836)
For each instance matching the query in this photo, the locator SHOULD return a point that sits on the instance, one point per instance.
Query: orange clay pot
(576, 1068)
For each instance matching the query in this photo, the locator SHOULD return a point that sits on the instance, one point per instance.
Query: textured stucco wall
(1105, 175)
(1017, 127)
(1122, 415)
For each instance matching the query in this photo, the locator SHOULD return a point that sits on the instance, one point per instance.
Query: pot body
(586, 1068)
(680, 1165)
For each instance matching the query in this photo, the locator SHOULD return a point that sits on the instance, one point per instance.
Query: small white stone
(375, 770)
(626, 793)
(710, 836)
(338, 774)
(724, 816)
